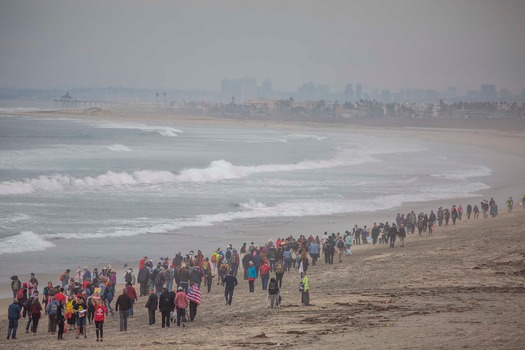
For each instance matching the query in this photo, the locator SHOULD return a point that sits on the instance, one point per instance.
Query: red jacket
(130, 291)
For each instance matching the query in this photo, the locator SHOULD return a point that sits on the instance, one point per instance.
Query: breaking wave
(218, 170)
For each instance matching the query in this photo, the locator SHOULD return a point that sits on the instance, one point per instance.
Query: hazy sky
(195, 44)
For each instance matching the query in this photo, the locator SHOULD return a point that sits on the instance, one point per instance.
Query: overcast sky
(194, 44)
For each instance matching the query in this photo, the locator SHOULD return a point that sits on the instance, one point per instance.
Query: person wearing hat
(13, 315)
(80, 309)
(181, 303)
(15, 285)
(235, 261)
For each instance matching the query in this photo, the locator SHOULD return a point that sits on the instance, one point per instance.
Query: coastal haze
(132, 128)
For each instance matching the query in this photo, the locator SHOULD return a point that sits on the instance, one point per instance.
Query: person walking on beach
(80, 310)
(375, 233)
(469, 211)
(279, 272)
(230, 281)
(123, 305)
(143, 279)
(15, 285)
(99, 317)
(181, 303)
(264, 271)
(440, 216)
(252, 275)
(431, 221)
(13, 315)
(454, 214)
(132, 294)
(460, 212)
(314, 251)
(165, 307)
(510, 204)
(476, 211)
(195, 299)
(304, 288)
(36, 313)
(60, 319)
(64, 278)
(392, 234)
(340, 247)
(151, 305)
(402, 234)
(52, 311)
(273, 294)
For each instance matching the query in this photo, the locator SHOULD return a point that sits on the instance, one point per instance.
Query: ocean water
(84, 192)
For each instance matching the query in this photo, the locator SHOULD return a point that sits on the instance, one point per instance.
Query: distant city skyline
(193, 45)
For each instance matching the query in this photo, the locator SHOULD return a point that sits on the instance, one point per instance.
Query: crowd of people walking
(172, 287)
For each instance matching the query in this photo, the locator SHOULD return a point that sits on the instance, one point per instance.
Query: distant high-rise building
(307, 92)
(358, 92)
(238, 90)
(488, 91)
(348, 94)
(451, 93)
(385, 96)
(266, 89)
(375, 94)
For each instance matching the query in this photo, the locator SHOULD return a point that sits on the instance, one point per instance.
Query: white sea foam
(14, 218)
(254, 209)
(161, 130)
(118, 148)
(479, 171)
(25, 241)
(304, 136)
(218, 170)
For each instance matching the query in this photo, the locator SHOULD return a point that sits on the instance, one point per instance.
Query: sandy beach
(462, 287)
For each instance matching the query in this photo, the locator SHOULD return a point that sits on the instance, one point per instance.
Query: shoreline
(501, 143)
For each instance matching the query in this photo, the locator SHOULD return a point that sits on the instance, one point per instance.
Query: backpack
(205, 265)
(340, 244)
(280, 269)
(301, 286)
(228, 254)
(20, 294)
(53, 309)
(62, 276)
(127, 277)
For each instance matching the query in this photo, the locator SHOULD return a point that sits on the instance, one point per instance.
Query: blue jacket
(52, 307)
(13, 312)
(252, 273)
(314, 248)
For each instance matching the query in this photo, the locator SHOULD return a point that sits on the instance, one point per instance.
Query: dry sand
(463, 287)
